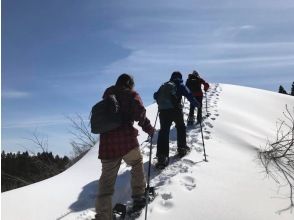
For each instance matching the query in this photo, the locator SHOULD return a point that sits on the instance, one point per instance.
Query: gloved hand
(206, 87)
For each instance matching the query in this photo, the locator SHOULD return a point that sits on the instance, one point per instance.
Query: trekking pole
(183, 102)
(207, 114)
(149, 168)
(203, 142)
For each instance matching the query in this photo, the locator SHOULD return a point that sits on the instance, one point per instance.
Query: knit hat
(125, 81)
(176, 75)
(195, 73)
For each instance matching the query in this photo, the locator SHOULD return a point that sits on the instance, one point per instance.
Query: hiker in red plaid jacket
(122, 144)
(194, 83)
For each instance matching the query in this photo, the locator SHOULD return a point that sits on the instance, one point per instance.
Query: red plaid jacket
(120, 141)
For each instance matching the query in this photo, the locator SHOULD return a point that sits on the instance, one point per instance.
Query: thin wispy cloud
(228, 32)
(37, 121)
(33, 123)
(266, 60)
(258, 54)
(14, 94)
(68, 59)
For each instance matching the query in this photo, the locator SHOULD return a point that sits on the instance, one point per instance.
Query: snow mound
(230, 186)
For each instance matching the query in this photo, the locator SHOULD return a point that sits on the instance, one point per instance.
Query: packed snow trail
(177, 165)
(179, 171)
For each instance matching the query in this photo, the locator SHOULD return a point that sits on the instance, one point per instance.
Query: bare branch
(278, 156)
(83, 139)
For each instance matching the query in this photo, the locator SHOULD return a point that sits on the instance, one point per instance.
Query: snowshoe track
(180, 171)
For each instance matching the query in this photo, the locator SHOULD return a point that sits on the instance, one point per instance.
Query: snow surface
(232, 185)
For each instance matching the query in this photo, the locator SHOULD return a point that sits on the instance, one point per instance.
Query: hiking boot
(139, 203)
(95, 218)
(162, 162)
(190, 120)
(182, 151)
(199, 120)
(190, 123)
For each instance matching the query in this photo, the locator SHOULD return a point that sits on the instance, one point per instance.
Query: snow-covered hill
(230, 186)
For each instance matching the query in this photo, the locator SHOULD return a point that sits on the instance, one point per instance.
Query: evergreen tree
(21, 169)
(292, 89)
(282, 90)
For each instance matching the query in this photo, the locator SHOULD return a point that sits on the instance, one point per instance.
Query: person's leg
(163, 135)
(191, 112)
(106, 189)
(181, 132)
(181, 128)
(199, 110)
(138, 182)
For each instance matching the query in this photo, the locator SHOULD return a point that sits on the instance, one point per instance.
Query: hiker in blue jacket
(168, 98)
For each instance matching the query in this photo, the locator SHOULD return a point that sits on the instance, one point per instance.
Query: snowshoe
(162, 162)
(190, 121)
(119, 211)
(125, 212)
(134, 212)
(199, 120)
(182, 151)
(150, 192)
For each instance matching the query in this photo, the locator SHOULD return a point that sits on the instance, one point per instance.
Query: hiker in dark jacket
(122, 144)
(194, 83)
(169, 98)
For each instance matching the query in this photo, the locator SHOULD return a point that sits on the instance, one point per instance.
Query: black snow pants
(199, 110)
(166, 117)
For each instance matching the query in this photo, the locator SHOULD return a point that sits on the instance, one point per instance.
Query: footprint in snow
(199, 149)
(209, 124)
(166, 196)
(182, 168)
(194, 135)
(87, 215)
(166, 204)
(189, 162)
(188, 182)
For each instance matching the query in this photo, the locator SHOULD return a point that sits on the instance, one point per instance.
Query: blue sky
(59, 56)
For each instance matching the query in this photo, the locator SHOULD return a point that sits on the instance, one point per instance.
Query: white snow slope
(230, 186)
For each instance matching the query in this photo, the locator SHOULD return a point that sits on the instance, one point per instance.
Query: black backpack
(166, 96)
(194, 83)
(105, 115)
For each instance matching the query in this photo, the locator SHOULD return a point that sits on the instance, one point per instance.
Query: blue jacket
(183, 90)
